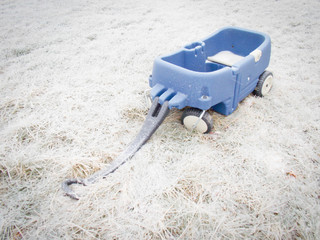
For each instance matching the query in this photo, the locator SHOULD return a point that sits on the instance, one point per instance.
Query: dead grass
(72, 81)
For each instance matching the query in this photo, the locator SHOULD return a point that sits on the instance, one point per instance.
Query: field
(72, 81)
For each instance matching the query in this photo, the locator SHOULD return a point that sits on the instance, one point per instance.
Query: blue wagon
(214, 73)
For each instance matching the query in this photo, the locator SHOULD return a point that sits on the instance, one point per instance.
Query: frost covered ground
(72, 78)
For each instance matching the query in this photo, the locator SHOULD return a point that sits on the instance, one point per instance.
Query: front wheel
(264, 84)
(197, 119)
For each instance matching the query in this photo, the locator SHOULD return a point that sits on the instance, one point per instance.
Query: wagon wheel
(264, 84)
(196, 119)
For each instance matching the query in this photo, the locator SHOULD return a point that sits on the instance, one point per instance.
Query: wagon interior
(220, 50)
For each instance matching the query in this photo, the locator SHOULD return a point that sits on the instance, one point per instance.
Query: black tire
(191, 116)
(264, 84)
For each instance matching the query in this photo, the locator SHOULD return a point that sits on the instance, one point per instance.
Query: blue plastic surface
(186, 78)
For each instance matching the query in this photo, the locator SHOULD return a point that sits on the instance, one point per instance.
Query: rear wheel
(264, 84)
(197, 119)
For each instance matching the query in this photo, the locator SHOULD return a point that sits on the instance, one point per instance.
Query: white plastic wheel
(267, 85)
(264, 84)
(196, 119)
(190, 122)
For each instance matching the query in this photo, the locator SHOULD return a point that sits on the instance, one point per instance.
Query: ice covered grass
(72, 81)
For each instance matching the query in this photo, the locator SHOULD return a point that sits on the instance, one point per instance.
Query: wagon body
(194, 76)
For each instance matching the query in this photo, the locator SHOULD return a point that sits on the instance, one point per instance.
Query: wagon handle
(68, 191)
(155, 117)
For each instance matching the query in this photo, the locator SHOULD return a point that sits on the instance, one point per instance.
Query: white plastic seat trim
(226, 58)
(229, 58)
(256, 54)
